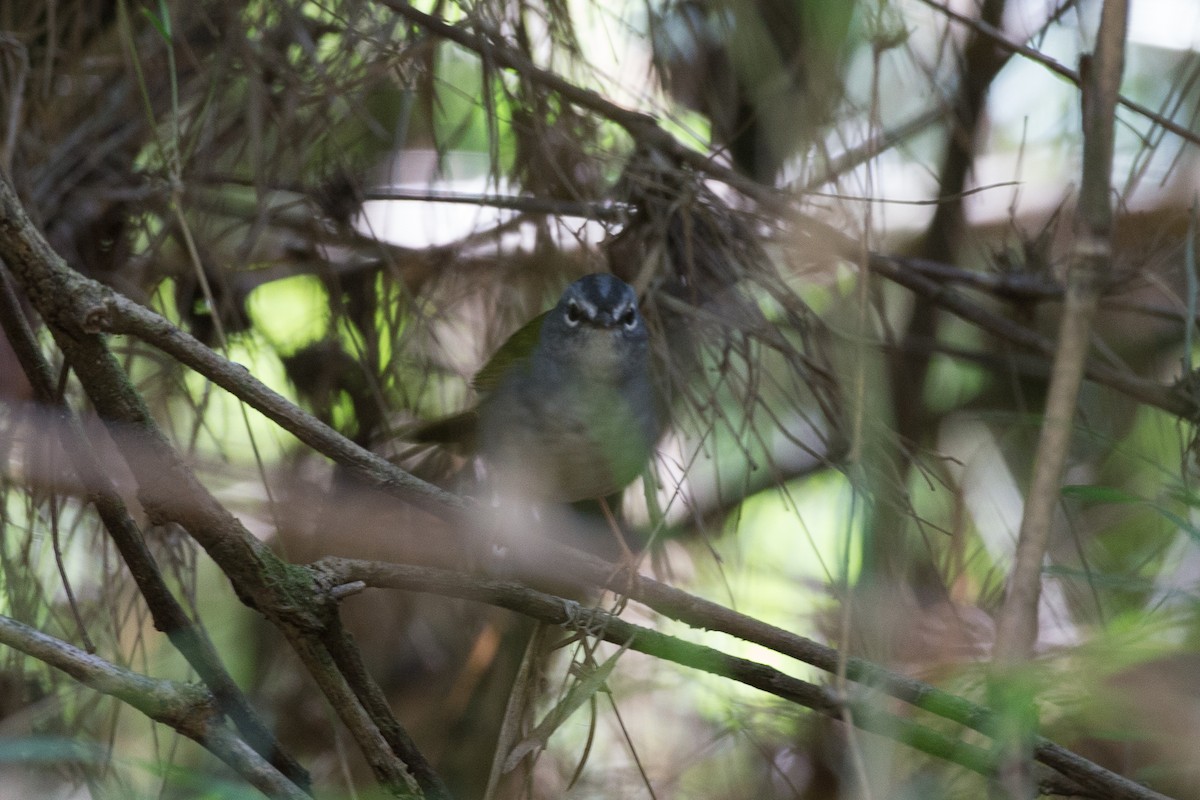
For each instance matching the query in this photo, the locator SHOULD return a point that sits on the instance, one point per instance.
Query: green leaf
(161, 22)
(51, 749)
(1100, 494)
(1184, 525)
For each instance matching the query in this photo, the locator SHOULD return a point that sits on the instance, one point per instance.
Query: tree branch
(595, 622)
(188, 709)
(384, 762)
(1092, 254)
(169, 617)
(1017, 623)
(349, 661)
(167, 488)
(118, 314)
(1081, 776)
(915, 275)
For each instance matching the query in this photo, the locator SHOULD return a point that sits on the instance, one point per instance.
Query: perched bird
(567, 411)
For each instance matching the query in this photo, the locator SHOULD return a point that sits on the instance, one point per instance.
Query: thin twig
(601, 211)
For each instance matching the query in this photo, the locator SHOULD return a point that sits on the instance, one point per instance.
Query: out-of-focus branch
(887, 552)
(526, 204)
(1017, 623)
(916, 277)
(874, 146)
(1167, 398)
(188, 709)
(1091, 257)
(1033, 288)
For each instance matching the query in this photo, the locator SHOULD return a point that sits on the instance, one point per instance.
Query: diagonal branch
(167, 488)
(169, 617)
(1080, 775)
(188, 709)
(114, 313)
(642, 127)
(1168, 398)
(348, 658)
(916, 276)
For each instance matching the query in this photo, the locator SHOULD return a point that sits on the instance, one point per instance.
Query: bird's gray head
(598, 322)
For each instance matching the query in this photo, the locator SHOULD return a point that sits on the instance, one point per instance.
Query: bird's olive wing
(516, 348)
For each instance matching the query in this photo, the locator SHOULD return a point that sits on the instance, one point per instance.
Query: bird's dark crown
(599, 299)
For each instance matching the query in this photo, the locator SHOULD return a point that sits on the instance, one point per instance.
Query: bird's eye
(574, 314)
(629, 318)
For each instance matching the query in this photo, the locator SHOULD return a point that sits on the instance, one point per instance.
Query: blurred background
(359, 206)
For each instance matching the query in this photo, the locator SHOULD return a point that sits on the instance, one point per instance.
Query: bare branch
(188, 709)
(642, 127)
(703, 614)
(169, 617)
(167, 487)
(1017, 623)
(119, 314)
(1017, 629)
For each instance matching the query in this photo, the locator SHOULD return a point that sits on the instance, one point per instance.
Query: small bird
(572, 418)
